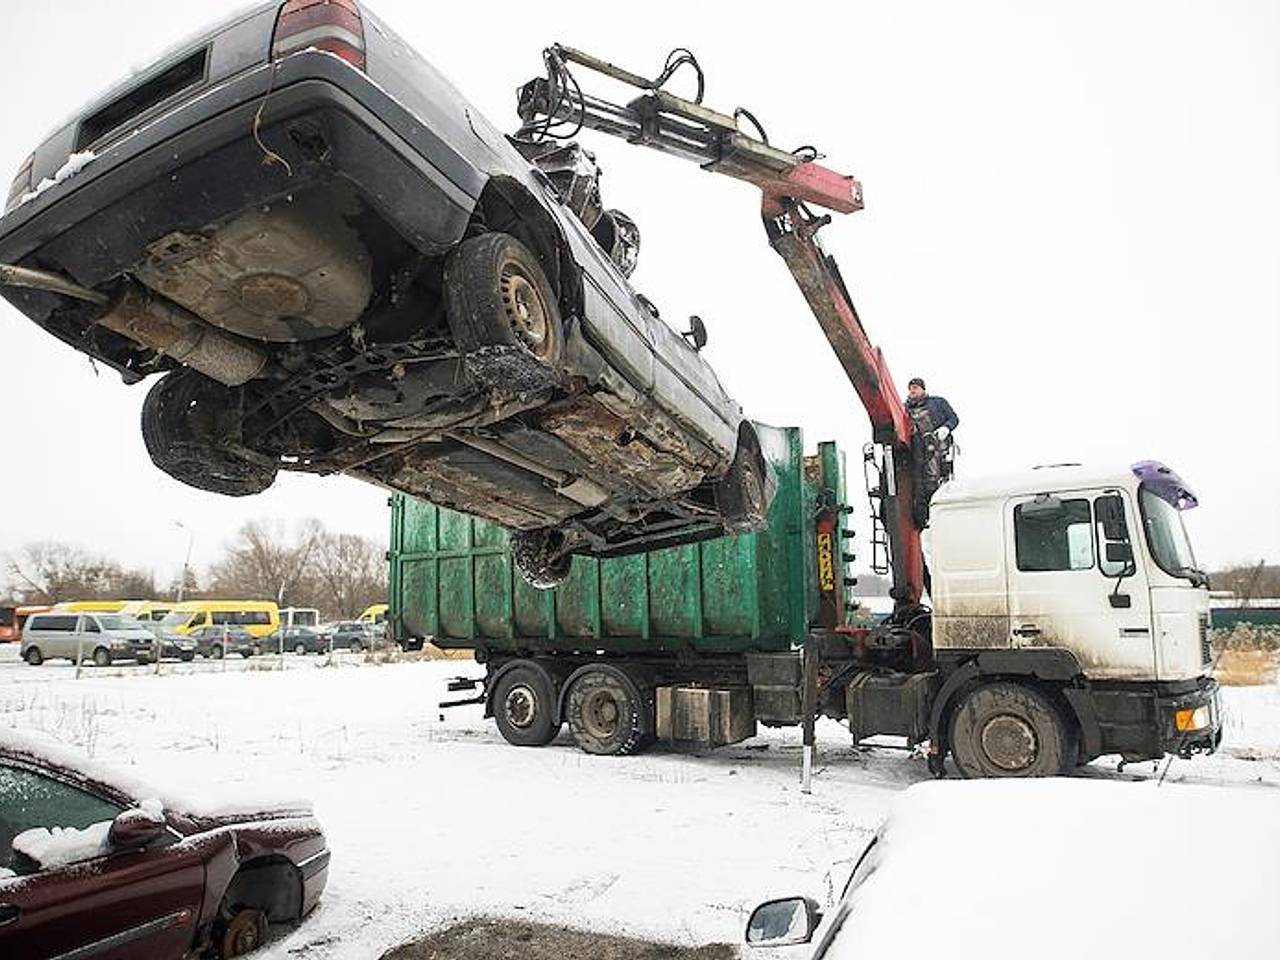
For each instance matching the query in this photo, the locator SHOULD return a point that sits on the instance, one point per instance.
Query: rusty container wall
(453, 579)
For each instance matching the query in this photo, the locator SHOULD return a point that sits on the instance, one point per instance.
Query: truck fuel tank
(890, 703)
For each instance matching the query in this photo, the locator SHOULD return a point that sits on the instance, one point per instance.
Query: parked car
(1057, 868)
(219, 641)
(337, 264)
(352, 635)
(174, 647)
(299, 640)
(90, 867)
(101, 638)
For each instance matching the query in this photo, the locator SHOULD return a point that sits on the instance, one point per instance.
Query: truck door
(1066, 555)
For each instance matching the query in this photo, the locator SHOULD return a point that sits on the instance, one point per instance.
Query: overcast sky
(1072, 232)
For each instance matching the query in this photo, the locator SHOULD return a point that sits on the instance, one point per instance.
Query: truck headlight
(1189, 721)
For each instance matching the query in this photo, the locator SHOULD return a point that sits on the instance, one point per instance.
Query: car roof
(1035, 866)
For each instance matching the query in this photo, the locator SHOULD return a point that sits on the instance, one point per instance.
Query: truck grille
(1206, 648)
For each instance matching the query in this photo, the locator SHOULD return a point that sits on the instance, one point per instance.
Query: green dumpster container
(452, 579)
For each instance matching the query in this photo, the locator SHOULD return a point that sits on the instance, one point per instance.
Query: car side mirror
(696, 335)
(135, 828)
(781, 923)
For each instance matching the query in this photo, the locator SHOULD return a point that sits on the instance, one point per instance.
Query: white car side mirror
(781, 923)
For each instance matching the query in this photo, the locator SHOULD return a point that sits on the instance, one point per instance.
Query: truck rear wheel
(1007, 729)
(524, 707)
(607, 714)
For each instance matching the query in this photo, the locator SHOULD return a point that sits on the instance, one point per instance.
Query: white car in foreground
(1047, 869)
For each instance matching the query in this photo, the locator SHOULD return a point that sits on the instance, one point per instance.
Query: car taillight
(21, 184)
(330, 25)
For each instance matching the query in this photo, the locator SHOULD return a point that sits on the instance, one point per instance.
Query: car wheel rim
(526, 311)
(244, 934)
(601, 715)
(300, 649)
(1009, 742)
(521, 706)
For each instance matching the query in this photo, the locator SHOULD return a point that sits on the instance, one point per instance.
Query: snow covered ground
(431, 816)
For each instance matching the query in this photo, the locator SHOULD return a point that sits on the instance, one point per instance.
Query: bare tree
(257, 561)
(49, 571)
(351, 571)
(1249, 581)
(338, 573)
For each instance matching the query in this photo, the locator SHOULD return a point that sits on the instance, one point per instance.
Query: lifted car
(91, 868)
(338, 265)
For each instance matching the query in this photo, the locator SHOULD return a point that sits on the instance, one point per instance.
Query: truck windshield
(1167, 537)
(179, 618)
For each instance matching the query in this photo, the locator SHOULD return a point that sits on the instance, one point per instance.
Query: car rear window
(137, 101)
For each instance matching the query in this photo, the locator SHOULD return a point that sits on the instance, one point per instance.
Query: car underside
(311, 306)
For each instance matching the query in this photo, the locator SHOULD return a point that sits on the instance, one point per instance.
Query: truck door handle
(8, 914)
(1027, 630)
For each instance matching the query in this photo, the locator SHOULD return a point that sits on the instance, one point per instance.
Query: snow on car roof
(1066, 867)
(196, 800)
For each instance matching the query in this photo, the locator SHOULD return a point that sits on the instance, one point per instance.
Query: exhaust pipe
(175, 332)
(157, 324)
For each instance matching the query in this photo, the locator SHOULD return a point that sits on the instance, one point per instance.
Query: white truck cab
(1086, 568)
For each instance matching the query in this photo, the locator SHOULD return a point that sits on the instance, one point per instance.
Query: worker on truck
(932, 421)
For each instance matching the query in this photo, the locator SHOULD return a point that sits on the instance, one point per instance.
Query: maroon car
(90, 868)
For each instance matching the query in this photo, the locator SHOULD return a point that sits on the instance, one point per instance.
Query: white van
(100, 637)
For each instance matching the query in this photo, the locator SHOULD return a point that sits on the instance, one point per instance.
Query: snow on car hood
(200, 801)
(1059, 868)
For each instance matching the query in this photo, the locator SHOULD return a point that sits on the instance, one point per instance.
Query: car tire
(356, 646)
(503, 312)
(539, 556)
(300, 649)
(1007, 729)
(181, 431)
(188, 657)
(607, 714)
(524, 706)
(102, 657)
(216, 651)
(33, 656)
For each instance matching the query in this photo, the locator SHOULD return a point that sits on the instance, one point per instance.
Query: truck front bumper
(1191, 722)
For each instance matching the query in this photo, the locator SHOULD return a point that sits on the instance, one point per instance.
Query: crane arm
(555, 106)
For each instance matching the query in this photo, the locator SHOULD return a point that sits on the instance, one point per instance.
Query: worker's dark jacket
(938, 411)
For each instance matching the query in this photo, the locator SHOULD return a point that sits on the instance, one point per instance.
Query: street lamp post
(186, 564)
(182, 584)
